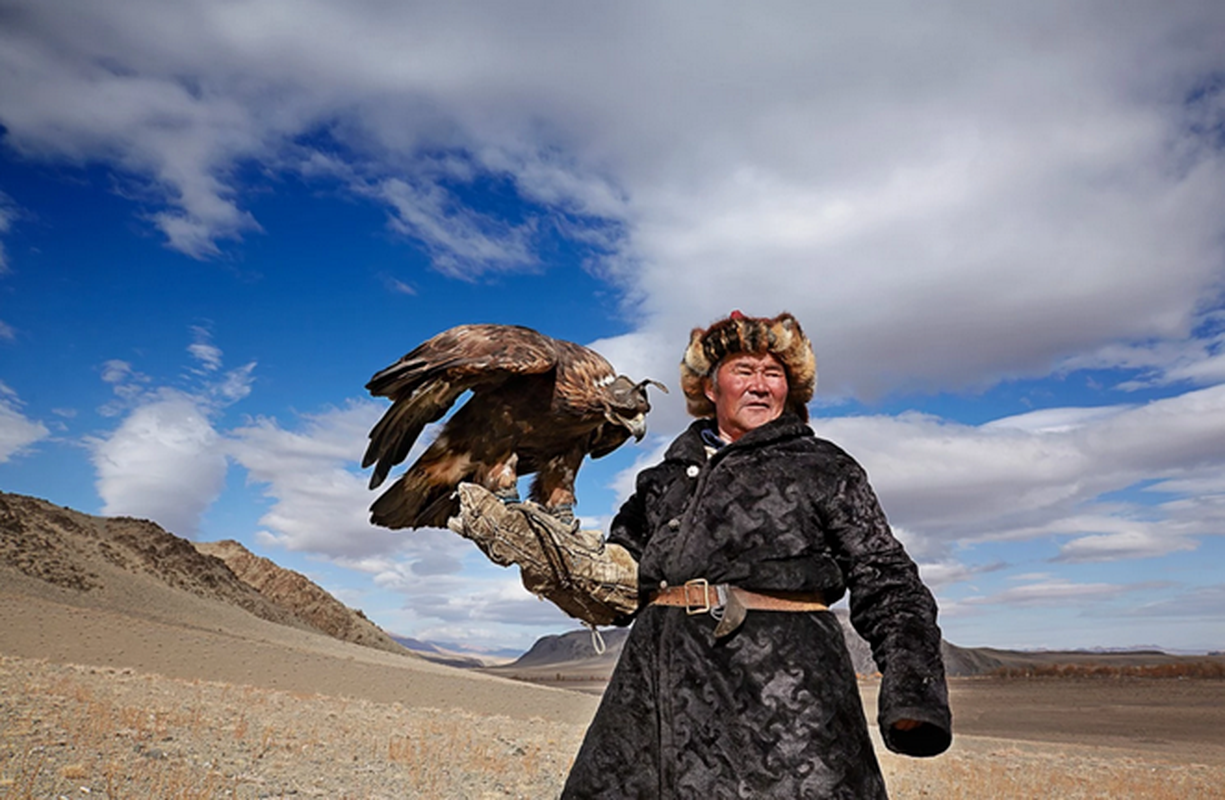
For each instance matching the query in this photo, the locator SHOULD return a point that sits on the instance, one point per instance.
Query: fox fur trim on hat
(781, 336)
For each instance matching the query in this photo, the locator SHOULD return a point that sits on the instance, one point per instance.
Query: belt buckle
(704, 605)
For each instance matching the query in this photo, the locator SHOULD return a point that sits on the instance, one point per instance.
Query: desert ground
(132, 665)
(99, 702)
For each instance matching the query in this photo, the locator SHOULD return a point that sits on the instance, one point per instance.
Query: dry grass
(90, 732)
(1047, 772)
(1207, 669)
(117, 734)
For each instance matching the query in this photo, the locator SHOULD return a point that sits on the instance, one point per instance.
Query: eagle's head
(627, 404)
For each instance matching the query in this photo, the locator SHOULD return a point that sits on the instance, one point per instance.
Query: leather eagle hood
(781, 336)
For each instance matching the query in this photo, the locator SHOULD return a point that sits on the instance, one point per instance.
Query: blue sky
(1002, 227)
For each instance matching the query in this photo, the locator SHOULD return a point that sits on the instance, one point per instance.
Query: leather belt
(729, 604)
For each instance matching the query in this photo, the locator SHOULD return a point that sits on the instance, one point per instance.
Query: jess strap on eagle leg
(574, 569)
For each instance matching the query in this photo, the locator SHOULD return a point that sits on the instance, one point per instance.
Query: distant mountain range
(572, 656)
(458, 655)
(575, 653)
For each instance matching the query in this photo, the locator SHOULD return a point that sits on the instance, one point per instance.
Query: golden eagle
(538, 405)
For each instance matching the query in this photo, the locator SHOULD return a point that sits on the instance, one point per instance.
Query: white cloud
(17, 432)
(1055, 420)
(8, 213)
(399, 287)
(117, 372)
(1042, 475)
(1204, 484)
(7, 333)
(164, 462)
(462, 243)
(320, 501)
(937, 575)
(1198, 361)
(1135, 541)
(1201, 602)
(1054, 592)
(479, 596)
(234, 385)
(204, 351)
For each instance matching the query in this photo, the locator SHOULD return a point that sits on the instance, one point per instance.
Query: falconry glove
(577, 570)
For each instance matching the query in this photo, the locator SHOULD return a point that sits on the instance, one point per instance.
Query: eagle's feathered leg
(553, 487)
(501, 479)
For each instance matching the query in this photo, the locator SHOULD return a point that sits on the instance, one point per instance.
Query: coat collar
(690, 447)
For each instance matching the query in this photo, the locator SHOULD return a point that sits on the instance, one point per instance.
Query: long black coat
(773, 709)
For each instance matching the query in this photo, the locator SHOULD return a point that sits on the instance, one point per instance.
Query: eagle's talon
(564, 513)
(507, 496)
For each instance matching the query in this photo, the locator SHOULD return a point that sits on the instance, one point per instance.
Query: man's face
(748, 391)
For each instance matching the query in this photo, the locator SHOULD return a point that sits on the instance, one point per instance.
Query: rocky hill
(130, 564)
(100, 556)
(300, 596)
(575, 646)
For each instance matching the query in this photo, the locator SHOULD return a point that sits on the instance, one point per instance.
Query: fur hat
(781, 336)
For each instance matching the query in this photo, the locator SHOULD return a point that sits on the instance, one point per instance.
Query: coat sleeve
(895, 613)
(629, 527)
(629, 530)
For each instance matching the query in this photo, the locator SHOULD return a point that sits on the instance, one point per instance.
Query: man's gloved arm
(576, 570)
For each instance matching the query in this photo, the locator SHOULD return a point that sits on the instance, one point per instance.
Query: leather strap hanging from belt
(729, 604)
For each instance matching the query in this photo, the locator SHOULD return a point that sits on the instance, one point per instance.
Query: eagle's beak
(637, 425)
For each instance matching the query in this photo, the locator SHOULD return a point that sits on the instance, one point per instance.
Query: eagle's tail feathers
(442, 508)
(414, 502)
(390, 510)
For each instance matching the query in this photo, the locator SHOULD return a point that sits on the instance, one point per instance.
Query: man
(754, 519)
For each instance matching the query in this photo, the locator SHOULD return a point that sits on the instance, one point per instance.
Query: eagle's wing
(425, 383)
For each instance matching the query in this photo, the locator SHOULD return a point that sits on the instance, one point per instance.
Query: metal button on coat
(693, 470)
(674, 523)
